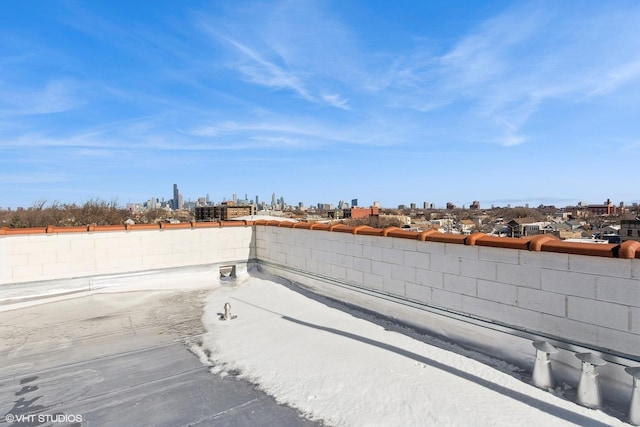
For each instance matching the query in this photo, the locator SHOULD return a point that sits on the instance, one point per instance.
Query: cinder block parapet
(539, 243)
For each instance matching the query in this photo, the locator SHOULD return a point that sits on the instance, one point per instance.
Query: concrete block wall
(53, 256)
(583, 299)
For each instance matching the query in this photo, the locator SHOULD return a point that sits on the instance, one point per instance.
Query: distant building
(475, 205)
(450, 206)
(466, 226)
(361, 213)
(520, 227)
(176, 202)
(607, 208)
(630, 229)
(354, 203)
(224, 211)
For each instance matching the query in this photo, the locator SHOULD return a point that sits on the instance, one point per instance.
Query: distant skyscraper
(176, 194)
(257, 200)
(354, 203)
(273, 200)
(235, 198)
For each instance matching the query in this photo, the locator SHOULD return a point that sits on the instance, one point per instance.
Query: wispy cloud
(261, 71)
(336, 101)
(270, 55)
(54, 97)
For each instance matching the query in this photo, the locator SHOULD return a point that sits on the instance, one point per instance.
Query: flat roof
(154, 351)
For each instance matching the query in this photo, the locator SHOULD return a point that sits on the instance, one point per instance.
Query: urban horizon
(278, 201)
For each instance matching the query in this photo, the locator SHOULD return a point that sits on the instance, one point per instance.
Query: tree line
(91, 212)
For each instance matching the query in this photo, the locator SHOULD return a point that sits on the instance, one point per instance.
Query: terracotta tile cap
(107, 228)
(536, 242)
(303, 225)
(286, 224)
(560, 246)
(357, 228)
(472, 238)
(319, 226)
(340, 228)
(232, 224)
(138, 227)
(403, 234)
(370, 231)
(446, 238)
(629, 249)
(164, 225)
(503, 242)
(33, 230)
(80, 229)
(205, 224)
(424, 234)
(261, 222)
(389, 229)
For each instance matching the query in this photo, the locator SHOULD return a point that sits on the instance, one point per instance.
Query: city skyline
(502, 102)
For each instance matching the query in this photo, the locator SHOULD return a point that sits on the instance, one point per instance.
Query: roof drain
(228, 271)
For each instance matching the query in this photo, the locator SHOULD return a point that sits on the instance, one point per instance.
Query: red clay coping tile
(544, 243)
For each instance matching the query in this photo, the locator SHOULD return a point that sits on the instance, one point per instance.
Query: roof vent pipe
(542, 376)
(634, 404)
(589, 388)
(227, 313)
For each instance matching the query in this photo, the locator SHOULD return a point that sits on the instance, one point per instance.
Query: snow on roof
(347, 371)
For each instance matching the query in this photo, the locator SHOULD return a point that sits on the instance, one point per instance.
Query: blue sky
(320, 101)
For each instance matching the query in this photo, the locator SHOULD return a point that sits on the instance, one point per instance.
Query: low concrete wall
(54, 256)
(477, 295)
(584, 299)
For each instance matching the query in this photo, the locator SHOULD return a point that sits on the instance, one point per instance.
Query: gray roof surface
(122, 359)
